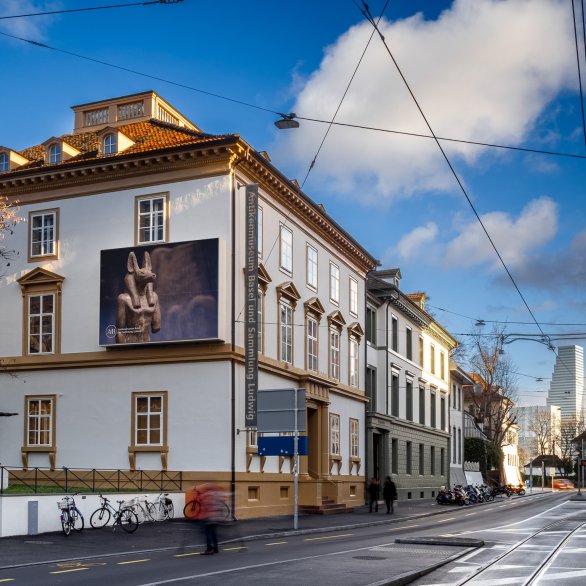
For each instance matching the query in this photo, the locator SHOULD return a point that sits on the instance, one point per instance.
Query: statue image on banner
(138, 312)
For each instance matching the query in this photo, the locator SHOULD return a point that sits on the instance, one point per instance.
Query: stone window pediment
(314, 306)
(40, 276)
(355, 329)
(336, 320)
(289, 292)
(263, 276)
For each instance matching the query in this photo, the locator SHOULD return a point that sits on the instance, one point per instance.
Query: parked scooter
(460, 496)
(445, 497)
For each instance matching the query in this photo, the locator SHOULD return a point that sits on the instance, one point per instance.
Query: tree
(570, 428)
(545, 430)
(492, 399)
(8, 219)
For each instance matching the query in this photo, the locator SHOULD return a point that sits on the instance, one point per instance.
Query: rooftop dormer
(58, 151)
(112, 141)
(125, 110)
(10, 160)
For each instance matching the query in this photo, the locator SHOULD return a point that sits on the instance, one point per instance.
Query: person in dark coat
(373, 494)
(389, 494)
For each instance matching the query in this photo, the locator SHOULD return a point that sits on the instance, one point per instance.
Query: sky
(491, 71)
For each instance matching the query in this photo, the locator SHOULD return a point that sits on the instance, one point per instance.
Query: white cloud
(32, 27)
(484, 70)
(411, 244)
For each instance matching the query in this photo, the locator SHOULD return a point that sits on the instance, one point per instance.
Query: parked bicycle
(163, 507)
(71, 517)
(142, 508)
(124, 516)
(195, 508)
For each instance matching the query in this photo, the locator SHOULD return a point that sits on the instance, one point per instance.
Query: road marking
(276, 543)
(444, 520)
(7, 580)
(399, 528)
(133, 562)
(182, 555)
(234, 548)
(329, 537)
(66, 571)
(468, 514)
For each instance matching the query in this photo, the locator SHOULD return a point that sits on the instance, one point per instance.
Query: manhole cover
(368, 557)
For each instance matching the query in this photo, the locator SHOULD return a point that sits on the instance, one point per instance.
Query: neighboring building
(566, 389)
(407, 377)
(510, 453)
(458, 378)
(138, 190)
(539, 426)
(552, 465)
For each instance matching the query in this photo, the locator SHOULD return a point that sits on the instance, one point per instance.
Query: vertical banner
(251, 305)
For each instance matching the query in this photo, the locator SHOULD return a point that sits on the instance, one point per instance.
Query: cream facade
(177, 406)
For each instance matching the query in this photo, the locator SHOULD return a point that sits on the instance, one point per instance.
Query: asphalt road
(358, 556)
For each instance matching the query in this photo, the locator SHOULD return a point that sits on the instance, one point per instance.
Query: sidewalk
(91, 543)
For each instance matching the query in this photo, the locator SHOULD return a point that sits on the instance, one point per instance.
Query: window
(152, 219)
(442, 461)
(443, 413)
(432, 460)
(354, 439)
(55, 154)
(421, 460)
(252, 438)
(353, 296)
(259, 234)
(149, 420)
(409, 400)
(167, 116)
(334, 434)
(454, 449)
(371, 325)
(459, 446)
(409, 458)
(421, 352)
(443, 365)
(422, 405)
(432, 357)
(109, 145)
(4, 162)
(311, 266)
(409, 344)
(43, 235)
(96, 117)
(40, 421)
(334, 284)
(286, 250)
(286, 332)
(395, 333)
(460, 399)
(395, 395)
(312, 344)
(371, 388)
(454, 396)
(353, 362)
(41, 324)
(432, 409)
(395, 456)
(334, 353)
(133, 110)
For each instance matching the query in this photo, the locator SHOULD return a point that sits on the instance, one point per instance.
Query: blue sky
(496, 71)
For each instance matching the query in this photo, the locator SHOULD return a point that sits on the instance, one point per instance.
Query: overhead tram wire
(578, 64)
(342, 99)
(64, 11)
(368, 16)
(276, 113)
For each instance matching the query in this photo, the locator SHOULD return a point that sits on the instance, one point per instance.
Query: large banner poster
(159, 293)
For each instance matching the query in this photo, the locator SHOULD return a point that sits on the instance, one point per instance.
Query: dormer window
(55, 154)
(4, 162)
(110, 144)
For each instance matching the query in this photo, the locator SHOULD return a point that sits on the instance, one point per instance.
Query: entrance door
(376, 455)
(313, 456)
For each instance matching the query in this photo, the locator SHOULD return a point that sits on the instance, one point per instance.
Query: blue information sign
(281, 445)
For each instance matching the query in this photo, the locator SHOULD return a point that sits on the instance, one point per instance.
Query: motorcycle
(445, 497)
(460, 496)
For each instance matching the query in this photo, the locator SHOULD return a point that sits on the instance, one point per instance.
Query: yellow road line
(329, 537)
(7, 580)
(276, 543)
(182, 555)
(133, 562)
(234, 548)
(66, 571)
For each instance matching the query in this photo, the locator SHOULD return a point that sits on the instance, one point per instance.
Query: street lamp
(510, 338)
(287, 121)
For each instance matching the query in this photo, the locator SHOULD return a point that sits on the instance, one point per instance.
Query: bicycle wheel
(100, 518)
(66, 522)
(77, 517)
(169, 510)
(225, 512)
(128, 520)
(151, 511)
(192, 509)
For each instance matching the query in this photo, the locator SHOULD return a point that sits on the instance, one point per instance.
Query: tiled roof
(149, 136)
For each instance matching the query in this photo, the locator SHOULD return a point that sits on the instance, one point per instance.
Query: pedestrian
(373, 494)
(389, 494)
(212, 500)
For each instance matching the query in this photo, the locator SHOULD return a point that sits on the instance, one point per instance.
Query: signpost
(283, 410)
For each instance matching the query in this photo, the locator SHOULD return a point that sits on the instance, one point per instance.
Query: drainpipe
(233, 345)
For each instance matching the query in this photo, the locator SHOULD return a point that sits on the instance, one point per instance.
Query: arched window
(4, 162)
(110, 144)
(55, 153)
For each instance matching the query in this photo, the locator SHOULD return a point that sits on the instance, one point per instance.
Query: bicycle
(193, 509)
(142, 508)
(124, 516)
(71, 517)
(163, 507)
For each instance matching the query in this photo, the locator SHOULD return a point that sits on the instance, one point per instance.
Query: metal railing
(45, 479)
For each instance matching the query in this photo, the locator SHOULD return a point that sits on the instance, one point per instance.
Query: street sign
(280, 410)
(281, 445)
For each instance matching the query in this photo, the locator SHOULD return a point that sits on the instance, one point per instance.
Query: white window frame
(354, 360)
(44, 235)
(354, 438)
(285, 332)
(353, 294)
(334, 346)
(43, 423)
(4, 162)
(334, 283)
(311, 257)
(55, 153)
(334, 434)
(312, 329)
(156, 219)
(44, 328)
(110, 144)
(286, 249)
(149, 414)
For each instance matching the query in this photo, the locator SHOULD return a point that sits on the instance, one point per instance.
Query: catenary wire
(49, 12)
(579, 72)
